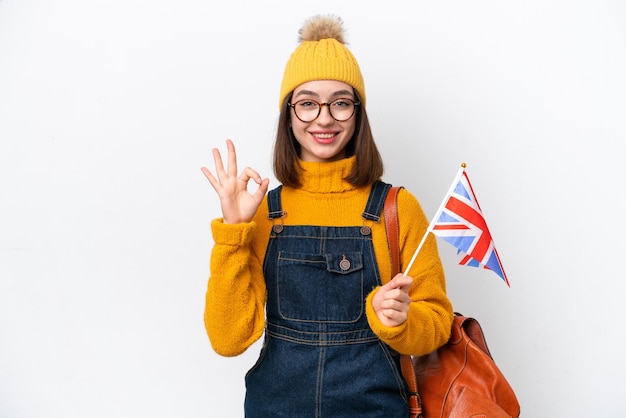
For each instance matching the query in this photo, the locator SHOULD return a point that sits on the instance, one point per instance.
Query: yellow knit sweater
(235, 300)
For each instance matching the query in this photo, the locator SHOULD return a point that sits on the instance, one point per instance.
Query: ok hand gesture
(238, 205)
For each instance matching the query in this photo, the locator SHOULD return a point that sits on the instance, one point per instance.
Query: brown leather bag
(460, 379)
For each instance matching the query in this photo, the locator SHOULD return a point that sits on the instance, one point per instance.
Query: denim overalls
(320, 358)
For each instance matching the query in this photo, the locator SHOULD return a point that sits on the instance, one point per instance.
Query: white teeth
(324, 135)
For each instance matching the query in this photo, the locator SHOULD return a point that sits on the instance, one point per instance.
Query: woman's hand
(391, 301)
(238, 205)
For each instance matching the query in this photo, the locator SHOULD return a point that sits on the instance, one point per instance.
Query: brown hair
(368, 166)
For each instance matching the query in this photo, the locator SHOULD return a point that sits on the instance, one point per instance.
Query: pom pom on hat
(319, 27)
(321, 55)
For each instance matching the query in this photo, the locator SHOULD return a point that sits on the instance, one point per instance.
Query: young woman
(307, 265)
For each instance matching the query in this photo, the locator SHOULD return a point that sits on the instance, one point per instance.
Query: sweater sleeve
(235, 298)
(430, 313)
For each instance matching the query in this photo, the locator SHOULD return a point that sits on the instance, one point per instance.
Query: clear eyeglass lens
(340, 109)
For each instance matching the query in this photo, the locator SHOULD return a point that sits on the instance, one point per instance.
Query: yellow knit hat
(321, 55)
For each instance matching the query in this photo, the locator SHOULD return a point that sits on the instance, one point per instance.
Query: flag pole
(436, 217)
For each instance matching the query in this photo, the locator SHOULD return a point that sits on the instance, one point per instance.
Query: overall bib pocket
(322, 288)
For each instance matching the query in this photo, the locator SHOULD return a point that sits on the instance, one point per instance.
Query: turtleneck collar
(326, 177)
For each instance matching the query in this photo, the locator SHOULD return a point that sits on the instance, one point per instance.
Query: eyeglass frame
(319, 109)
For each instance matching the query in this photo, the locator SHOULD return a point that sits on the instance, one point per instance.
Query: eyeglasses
(308, 110)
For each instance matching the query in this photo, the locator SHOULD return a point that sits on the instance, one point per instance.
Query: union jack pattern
(461, 223)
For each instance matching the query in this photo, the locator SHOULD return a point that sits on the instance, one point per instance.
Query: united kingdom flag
(461, 223)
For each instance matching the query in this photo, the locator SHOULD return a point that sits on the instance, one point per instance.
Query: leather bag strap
(391, 225)
(390, 212)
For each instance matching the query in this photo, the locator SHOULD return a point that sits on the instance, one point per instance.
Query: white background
(108, 109)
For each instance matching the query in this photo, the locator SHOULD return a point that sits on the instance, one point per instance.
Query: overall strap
(274, 205)
(376, 201)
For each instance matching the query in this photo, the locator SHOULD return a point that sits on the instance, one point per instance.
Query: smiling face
(324, 139)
